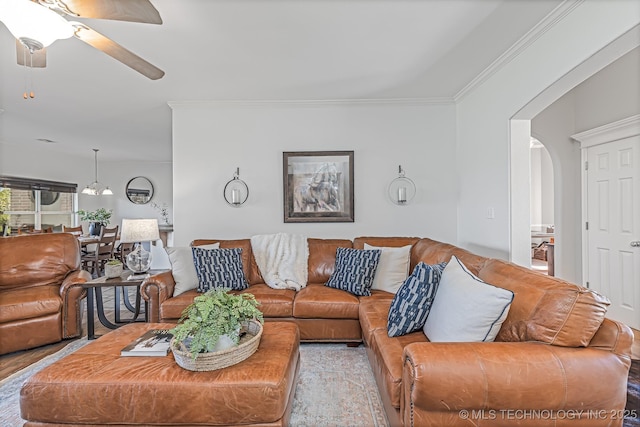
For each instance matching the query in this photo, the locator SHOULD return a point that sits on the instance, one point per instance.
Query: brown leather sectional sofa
(40, 290)
(556, 361)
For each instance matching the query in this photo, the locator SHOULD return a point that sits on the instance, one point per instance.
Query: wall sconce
(401, 190)
(236, 191)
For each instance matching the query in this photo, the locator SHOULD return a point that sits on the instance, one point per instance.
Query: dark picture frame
(318, 186)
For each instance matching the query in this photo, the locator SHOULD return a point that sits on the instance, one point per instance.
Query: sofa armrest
(72, 293)
(613, 336)
(155, 290)
(455, 383)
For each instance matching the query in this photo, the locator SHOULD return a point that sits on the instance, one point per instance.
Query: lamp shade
(139, 230)
(28, 20)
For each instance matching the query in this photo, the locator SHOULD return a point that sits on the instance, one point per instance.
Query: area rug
(335, 388)
(633, 396)
(10, 386)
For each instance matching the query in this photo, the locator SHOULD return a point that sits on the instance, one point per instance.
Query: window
(28, 205)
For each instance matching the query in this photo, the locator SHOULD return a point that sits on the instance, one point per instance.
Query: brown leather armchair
(40, 290)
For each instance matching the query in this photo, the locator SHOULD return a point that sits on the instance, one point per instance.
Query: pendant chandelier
(95, 188)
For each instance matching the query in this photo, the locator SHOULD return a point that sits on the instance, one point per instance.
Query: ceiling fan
(37, 23)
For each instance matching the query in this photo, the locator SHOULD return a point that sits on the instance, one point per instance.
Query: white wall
(484, 115)
(546, 182)
(43, 161)
(541, 186)
(211, 140)
(610, 95)
(536, 187)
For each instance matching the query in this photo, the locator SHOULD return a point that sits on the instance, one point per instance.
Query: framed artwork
(318, 186)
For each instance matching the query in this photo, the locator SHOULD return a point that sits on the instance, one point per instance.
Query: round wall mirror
(46, 197)
(139, 190)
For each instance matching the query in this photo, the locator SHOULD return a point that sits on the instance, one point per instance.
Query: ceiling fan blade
(37, 60)
(118, 10)
(116, 51)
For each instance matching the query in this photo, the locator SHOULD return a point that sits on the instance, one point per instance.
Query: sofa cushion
(465, 308)
(546, 309)
(433, 252)
(373, 315)
(316, 301)
(29, 303)
(354, 270)
(219, 268)
(393, 267)
(37, 259)
(322, 257)
(273, 302)
(183, 268)
(387, 363)
(171, 309)
(410, 307)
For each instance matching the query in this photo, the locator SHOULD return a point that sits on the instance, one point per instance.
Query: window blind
(37, 184)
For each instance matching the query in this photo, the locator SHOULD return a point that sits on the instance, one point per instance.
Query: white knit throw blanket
(282, 259)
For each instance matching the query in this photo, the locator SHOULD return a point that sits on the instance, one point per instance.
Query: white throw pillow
(183, 268)
(465, 308)
(393, 268)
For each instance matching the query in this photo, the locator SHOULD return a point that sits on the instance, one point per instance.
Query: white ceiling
(252, 50)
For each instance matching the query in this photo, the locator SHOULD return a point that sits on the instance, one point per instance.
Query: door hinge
(586, 166)
(586, 225)
(587, 285)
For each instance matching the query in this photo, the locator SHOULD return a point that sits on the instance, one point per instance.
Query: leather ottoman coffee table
(95, 386)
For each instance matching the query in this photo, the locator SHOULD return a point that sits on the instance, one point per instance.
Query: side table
(95, 287)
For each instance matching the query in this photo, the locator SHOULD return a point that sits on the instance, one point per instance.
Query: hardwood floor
(13, 362)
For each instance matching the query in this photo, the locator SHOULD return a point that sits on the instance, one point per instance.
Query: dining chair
(76, 231)
(94, 260)
(122, 250)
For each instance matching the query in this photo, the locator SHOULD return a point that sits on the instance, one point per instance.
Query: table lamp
(138, 231)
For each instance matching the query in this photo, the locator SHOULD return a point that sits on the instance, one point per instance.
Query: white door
(613, 235)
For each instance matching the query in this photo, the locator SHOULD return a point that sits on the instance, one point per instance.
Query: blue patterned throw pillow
(410, 306)
(354, 270)
(219, 268)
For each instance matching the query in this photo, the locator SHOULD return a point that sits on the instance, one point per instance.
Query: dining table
(88, 240)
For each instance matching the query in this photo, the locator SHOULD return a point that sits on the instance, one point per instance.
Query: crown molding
(310, 102)
(620, 129)
(549, 21)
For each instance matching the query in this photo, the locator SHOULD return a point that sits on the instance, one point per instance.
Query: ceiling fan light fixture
(34, 25)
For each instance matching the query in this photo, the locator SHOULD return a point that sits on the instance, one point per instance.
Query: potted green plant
(212, 315)
(5, 195)
(96, 219)
(113, 268)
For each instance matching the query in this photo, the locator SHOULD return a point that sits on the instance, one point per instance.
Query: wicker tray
(220, 359)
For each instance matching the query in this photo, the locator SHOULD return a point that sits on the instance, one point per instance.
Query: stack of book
(154, 342)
